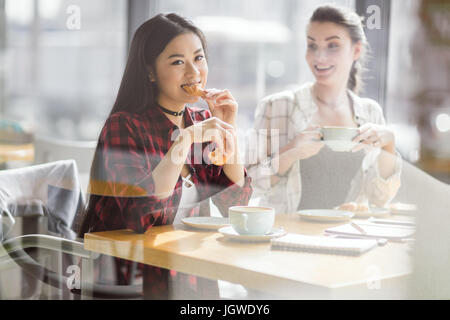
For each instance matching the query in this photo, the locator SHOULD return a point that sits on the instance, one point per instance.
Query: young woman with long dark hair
(153, 161)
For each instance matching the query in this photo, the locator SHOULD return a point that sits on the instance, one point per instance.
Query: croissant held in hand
(194, 89)
(217, 159)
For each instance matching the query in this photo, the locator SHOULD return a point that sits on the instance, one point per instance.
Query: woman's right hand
(306, 144)
(213, 130)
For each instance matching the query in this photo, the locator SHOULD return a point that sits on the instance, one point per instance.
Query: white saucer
(207, 223)
(373, 212)
(326, 215)
(229, 233)
(402, 208)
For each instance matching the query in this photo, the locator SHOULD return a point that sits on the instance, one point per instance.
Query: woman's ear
(151, 74)
(357, 50)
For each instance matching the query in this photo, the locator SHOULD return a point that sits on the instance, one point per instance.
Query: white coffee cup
(339, 138)
(249, 220)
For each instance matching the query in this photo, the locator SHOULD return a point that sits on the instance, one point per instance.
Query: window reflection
(62, 64)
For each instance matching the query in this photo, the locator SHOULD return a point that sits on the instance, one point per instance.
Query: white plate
(326, 215)
(229, 233)
(373, 212)
(402, 208)
(208, 223)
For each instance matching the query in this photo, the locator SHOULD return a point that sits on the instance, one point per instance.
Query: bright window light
(443, 122)
(275, 68)
(49, 9)
(20, 12)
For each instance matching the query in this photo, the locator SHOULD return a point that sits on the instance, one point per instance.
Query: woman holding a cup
(336, 47)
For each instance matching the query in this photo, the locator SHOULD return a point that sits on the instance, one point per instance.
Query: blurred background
(61, 63)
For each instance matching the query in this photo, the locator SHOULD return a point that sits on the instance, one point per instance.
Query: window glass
(62, 64)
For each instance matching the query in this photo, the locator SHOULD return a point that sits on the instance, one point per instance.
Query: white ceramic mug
(339, 138)
(249, 220)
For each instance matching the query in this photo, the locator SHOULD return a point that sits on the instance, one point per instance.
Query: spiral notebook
(299, 242)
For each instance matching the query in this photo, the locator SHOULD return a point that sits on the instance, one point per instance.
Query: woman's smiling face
(331, 52)
(182, 62)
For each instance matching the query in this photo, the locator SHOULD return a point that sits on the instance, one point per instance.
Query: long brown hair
(352, 22)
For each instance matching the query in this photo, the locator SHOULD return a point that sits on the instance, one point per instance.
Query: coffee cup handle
(245, 217)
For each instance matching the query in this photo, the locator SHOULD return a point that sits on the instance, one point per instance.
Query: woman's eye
(333, 46)
(199, 57)
(177, 62)
(312, 46)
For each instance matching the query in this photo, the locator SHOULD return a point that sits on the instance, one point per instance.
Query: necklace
(173, 113)
(350, 105)
(323, 102)
(320, 99)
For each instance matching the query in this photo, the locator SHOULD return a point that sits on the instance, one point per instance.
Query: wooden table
(379, 273)
(14, 152)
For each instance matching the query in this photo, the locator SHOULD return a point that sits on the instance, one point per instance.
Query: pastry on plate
(354, 206)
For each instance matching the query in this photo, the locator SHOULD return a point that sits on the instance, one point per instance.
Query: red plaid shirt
(129, 148)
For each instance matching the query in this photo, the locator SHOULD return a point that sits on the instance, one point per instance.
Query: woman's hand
(212, 130)
(307, 143)
(167, 172)
(375, 135)
(222, 105)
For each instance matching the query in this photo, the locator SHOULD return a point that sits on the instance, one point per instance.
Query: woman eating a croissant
(159, 159)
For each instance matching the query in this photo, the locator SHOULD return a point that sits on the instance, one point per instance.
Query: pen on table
(405, 240)
(380, 241)
(393, 222)
(361, 230)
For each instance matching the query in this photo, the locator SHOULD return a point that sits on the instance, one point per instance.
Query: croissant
(216, 160)
(354, 206)
(194, 89)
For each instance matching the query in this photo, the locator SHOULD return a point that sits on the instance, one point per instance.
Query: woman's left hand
(375, 136)
(222, 105)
